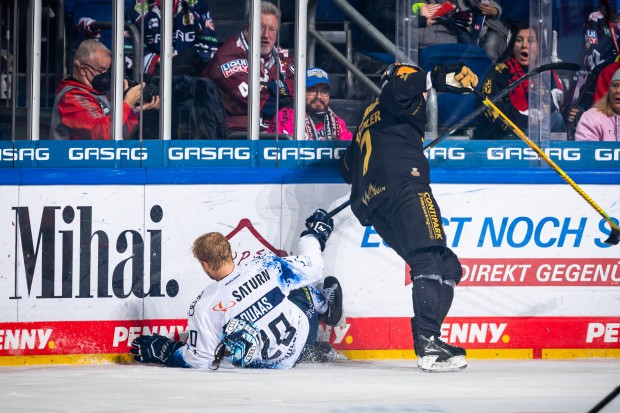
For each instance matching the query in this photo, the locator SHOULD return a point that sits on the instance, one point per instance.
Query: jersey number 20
(282, 331)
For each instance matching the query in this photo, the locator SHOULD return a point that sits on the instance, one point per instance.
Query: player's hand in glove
(320, 226)
(240, 344)
(154, 349)
(453, 78)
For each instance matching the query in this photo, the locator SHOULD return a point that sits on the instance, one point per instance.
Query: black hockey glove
(320, 226)
(154, 349)
(453, 78)
(240, 344)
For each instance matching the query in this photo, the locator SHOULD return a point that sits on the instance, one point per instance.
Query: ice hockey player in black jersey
(389, 173)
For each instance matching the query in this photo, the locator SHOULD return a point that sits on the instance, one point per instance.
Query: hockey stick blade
(551, 66)
(614, 237)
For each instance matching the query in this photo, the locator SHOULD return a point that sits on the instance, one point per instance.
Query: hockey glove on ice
(453, 78)
(240, 344)
(320, 225)
(154, 349)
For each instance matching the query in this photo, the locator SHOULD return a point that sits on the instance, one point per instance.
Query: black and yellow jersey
(387, 151)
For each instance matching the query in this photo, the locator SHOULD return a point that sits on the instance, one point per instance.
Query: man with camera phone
(82, 109)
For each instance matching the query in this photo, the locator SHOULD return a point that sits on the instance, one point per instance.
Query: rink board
(97, 257)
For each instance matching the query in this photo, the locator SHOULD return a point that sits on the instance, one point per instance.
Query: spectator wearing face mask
(82, 109)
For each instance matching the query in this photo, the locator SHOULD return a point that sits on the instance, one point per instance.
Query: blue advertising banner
(261, 153)
(163, 154)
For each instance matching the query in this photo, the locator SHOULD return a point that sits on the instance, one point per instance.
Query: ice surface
(497, 386)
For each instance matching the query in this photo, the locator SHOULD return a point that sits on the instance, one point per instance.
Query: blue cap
(315, 76)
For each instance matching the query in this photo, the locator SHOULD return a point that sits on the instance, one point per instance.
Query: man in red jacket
(229, 69)
(82, 109)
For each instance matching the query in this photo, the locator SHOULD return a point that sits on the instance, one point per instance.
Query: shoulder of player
(208, 293)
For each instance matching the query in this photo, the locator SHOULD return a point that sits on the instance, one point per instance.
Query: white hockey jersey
(257, 292)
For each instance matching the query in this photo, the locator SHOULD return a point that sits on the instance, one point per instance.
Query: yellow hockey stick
(614, 237)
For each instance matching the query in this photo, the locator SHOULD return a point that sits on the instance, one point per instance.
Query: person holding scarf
(515, 63)
(321, 123)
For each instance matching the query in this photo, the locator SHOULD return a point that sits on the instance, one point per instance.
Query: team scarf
(331, 128)
(267, 61)
(518, 97)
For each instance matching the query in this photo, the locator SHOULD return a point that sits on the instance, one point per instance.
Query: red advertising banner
(485, 333)
(538, 272)
(389, 333)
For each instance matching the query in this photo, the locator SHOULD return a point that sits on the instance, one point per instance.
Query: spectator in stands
(192, 27)
(441, 23)
(604, 80)
(81, 108)
(229, 69)
(321, 123)
(602, 121)
(514, 64)
(493, 33)
(602, 39)
(194, 35)
(431, 30)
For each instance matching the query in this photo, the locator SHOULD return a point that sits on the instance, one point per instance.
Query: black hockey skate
(333, 294)
(435, 355)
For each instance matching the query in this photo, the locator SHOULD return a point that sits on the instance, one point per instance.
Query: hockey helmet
(397, 69)
(240, 345)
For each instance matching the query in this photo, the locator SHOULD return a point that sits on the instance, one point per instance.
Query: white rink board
(373, 277)
(9, 199)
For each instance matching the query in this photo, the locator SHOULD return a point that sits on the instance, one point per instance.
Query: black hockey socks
(447, 295)
(427, 305)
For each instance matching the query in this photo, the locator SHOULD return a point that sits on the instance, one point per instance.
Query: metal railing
(52, 14)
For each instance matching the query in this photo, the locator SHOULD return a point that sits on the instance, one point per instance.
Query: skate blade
(429, 364)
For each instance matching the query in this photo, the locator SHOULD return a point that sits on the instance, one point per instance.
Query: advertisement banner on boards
(536, 271)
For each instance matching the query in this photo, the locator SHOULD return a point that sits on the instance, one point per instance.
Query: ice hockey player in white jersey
(263, 314)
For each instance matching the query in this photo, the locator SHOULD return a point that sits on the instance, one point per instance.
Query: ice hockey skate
(333, 293)
(435, 355)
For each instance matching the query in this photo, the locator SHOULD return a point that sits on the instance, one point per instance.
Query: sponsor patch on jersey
(153, 23)
(224, 306)
(234, 66)
(591, 36)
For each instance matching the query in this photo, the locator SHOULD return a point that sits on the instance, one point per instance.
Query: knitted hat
(616, 76)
